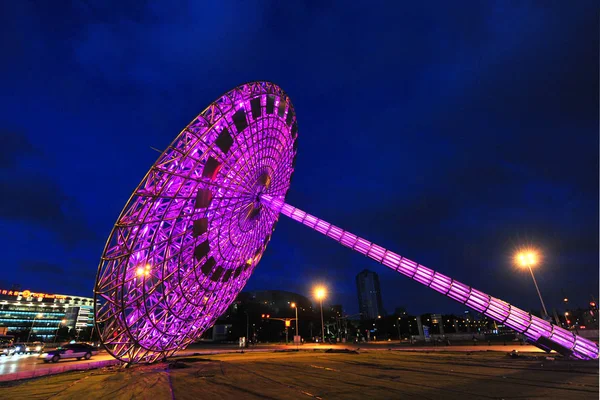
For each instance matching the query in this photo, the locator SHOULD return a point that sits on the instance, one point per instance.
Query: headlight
(26, 348)
(38, 348)
(43, 354)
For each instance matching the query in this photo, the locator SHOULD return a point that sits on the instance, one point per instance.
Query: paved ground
(383, 374)
(25, 363)
(30, 362)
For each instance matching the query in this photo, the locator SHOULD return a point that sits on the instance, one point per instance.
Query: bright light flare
(527, 258)
(320, 292)
(143, 271)
(293, 305)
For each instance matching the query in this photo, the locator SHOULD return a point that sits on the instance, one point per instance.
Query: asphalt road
(22, 363)
(372, 373)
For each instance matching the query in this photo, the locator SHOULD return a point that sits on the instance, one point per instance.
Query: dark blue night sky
(452, 133)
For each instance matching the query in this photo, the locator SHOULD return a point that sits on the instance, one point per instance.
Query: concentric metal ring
(194, 230)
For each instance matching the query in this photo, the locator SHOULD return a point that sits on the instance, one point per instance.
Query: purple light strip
(498, 310)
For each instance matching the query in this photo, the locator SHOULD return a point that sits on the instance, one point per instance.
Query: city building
(277, 301)
(369, 295)
(259, 315)
(337, 310)
(42, 314)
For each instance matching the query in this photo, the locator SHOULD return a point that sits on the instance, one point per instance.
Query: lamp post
(320, 293)
(294, 306)
(247, 328)
(398, 325)
(528, 259)
(40, 315)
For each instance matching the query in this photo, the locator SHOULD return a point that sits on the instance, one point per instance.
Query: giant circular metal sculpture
(194, 229)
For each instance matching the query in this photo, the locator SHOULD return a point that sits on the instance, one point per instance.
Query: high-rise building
(369, 295)
(43, 313)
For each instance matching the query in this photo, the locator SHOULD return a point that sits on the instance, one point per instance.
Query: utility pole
(322, 324)
(247, 327)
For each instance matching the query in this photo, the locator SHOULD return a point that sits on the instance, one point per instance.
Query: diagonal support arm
(542, 333)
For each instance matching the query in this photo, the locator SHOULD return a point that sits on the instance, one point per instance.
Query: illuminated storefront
(43, 313)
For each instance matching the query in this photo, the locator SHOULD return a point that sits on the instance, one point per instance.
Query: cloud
(221, 29)
(31, 197)
(70, 278)
(43, 267)
(40, 201)
(13, 146)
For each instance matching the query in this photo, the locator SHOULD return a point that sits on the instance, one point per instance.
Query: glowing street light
(527, 259)
(320, 294)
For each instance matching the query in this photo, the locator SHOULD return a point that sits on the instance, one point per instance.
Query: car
(74, 350)
(24, 348)
(17, 348)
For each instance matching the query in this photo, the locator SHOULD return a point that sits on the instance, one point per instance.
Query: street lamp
(528, 259)
(247, 328)
(40, 315)
(320, 293)
(294, 306)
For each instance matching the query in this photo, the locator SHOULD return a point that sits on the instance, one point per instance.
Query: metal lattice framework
(194, 229)
(197, 225)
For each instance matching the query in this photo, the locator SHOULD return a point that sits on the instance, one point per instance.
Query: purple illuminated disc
(193, 231)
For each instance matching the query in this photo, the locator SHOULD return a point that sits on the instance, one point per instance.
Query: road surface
(23, 363)
(312, 375)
